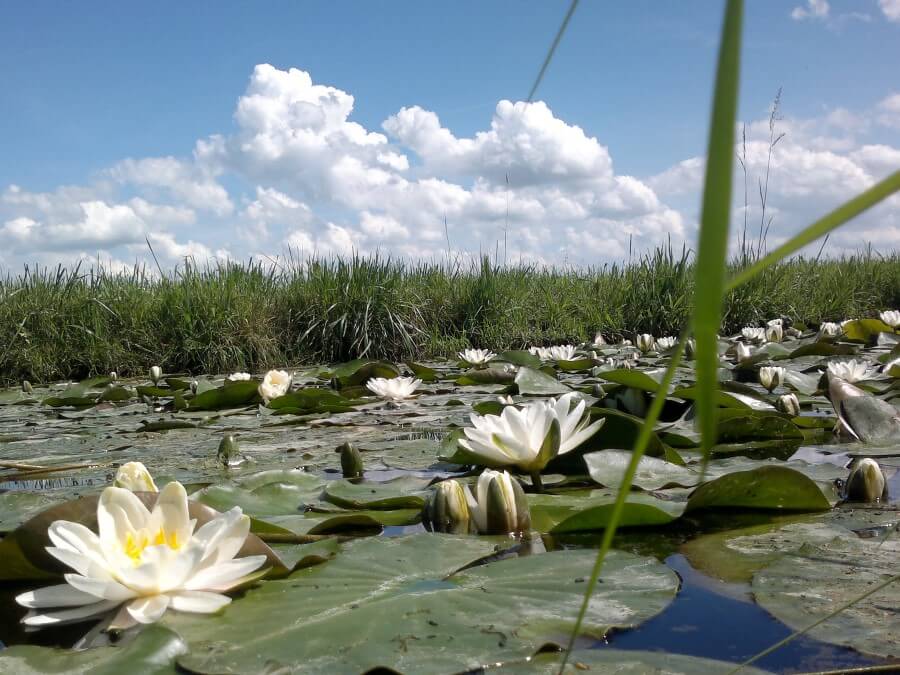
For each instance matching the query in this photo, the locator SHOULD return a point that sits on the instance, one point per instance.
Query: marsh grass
(58, 323)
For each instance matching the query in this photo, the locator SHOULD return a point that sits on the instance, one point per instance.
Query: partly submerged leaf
(768, 487)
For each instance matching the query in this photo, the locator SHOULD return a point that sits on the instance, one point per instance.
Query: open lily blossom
(891, 318)
(555, 353)
(239, 377)
(135, 477)
(753, 334)
(275, 383)
(665, 343)
(517, 436)
(850, 371)
(829, 329)
(477, 357)
(145, 562)
(393, 389)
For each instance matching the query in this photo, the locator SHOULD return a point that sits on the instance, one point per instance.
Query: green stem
(536, 481)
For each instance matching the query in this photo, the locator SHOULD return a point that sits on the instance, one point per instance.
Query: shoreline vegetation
(70, 324)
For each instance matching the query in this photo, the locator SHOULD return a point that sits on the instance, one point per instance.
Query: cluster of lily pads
(512, 449)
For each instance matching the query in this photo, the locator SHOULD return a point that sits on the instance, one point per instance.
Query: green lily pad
(587, 510)
(440, 620)
(538, 383)
(229, 395)
(768, 487)
(607, 468)
(633, 378)
(406, 492)
(622, 662)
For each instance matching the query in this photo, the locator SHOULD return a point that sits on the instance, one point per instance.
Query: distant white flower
(775, 322)
(555, 353)
(849, 371)
(599, 340)
(774, 333)
(239, 377)
(645, 342)
(625, 343)
(147, 562)
(113, 375)
(505, 400)
(156, 374)
(753, 334)
(891, 364)
(891, 318)
(517, 435)
(665, 343)
(846, 321)
(135, 477)
(771, 376)
(498, 505)
(275, 383)
(742, 352)
(393, 389)
(866, 481)
(788, 403)
(829, 329)
(477, 357)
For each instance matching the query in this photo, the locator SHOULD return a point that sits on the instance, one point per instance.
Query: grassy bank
(69, 324)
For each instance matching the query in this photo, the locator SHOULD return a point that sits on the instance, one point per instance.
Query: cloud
(891, 9)
(814, 9)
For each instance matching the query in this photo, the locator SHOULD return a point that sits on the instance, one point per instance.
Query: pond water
(729, 548)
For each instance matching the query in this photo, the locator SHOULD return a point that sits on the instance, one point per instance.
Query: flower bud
(135, 477)
(113, 375)
(771, 376)
(351, 460)
(194, 385)
(645, 342)
(599, 340)
(597, 391)
(829, 329)
(26, 387)
(866, 482)
(229, 452)
(775, 333)
(788, 403)
(447, 509)
(499, 505)
(690, 349)
(156, 374)
(742, 352)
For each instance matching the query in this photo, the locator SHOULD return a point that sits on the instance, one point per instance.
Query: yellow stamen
(135, 543)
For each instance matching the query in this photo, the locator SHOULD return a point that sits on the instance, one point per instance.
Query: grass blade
(552, 50)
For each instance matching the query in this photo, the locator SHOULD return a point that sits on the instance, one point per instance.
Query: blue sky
(88, 85)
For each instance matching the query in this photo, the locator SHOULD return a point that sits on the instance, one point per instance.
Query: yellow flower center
(136, 542)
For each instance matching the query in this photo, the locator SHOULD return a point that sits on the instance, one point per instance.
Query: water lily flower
(506, 400)
(275, 383)
(447, 509)
(690, 349)
(156, 374)
(849, 371)
(135, 477)
(890, 365)
(145, 562)
(26, 387)
(866, 482)
(829, 329)
(771, 376)
(753, 334)
(599, 340)
(522, 437)
(113, 375)
(498, 505)
(239, 377)
(742, 352)
(477, 357)
(774, 332)
(645, 342)
(891, 318)
(775, 322)
(393, 389)
(625, 343)
(788, 403)
(351, 461)
(665, 343)
(555, 353)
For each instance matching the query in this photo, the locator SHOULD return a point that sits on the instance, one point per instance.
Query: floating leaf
(767, 487)
(608, 467)
(536, 382)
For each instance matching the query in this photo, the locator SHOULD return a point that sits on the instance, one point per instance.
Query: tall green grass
(57, 324)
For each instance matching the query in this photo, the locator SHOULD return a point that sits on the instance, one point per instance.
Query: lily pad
(332, 617)
(587, 510)
(536, 382)
(401, 493)
(608, 467)
(768, 487)
(622, 662)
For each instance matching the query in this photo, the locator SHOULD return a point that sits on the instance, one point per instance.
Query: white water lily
(393, 389)
(775, 322)
(866, 482)
(239, 377)
(665, 343)
(774, 332)
(789, 403)
(135, 477)
(645, 342)
(742, 352)
(156, 374)
(498, 505)
(829, 329)
(555, 353)
(891, 365)
(477, 357)
(145, 562)
(275, 383)
(517, 436)
(599, 340)
(113, 375)
(771, 376)
(506, 400)
(753, 334)
(891, 317)
(849, 371)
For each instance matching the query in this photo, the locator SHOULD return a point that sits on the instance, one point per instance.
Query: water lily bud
(505, 400)
(597, 391)
(775, 322)
(771, 376)
(447, 509)
(26, 387)
(753, 334)
(599, 340)
(499, 505)
(645, 342)
(351, 460)
(625, 343)
(788, 403)
(742, 352)
(135, 477)
(194, 385)
(156, 374)
(690, 349)
(229, 451)
(775, 333)
(113, 375)
(866, 482)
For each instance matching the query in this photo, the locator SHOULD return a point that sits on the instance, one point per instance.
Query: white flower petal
(223, 576)
(69, 615)
(198, 602)
(99, 588)
(149, 609)
(119, 513)
(62, 595)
